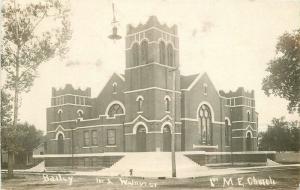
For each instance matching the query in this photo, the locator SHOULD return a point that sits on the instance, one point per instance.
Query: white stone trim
(69, 104)
(244, 129)
(56, 139)
(138, 42)
(242, 105)
(151, 28)
(80, 111)
(121, 77)
(196, 120)
(58, 133)
(188, 119)
(148, 64)
(243, 122)
(211, 110)
(205, 146)
(152, 132)
(235, 97)
(249, 126)
(65, 121)
(167, 97)
(243, 137)
(70, 95)
(248, 131)
(151, 88)
(139, 97)
(147, 120)
(85, 127)
(110, 104)
(94, 146)
(227, 118)
(193, 83)
(164, 124)
(137, 125)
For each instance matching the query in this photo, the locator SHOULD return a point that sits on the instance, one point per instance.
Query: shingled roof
(186, 81)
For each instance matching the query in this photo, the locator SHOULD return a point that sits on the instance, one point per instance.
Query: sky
(231, 40)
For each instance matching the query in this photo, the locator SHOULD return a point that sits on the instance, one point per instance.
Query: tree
(281, 136)
(33, 34)
(284, 71)
(24, 138)
(6, 108)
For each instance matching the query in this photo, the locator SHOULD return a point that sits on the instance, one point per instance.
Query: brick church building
(137, 111)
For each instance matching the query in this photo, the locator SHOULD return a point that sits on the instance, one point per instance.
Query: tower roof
(152, 22)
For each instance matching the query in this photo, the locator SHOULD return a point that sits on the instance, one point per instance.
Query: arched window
(205, 124)
(59, 113)
(170, 55)
(144, 52)
(227, 133)
(80, 113)
(140, 103)
(162, 53)
(60, 144)
(135, 54)
(115, 109)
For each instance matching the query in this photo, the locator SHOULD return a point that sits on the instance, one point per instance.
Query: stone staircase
(153, 164)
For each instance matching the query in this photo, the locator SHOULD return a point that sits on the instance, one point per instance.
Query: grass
(285, 178)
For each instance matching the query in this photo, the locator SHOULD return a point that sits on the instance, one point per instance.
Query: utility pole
(173, 146)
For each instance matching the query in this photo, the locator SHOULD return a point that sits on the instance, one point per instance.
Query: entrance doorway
(166, 138)
(248, 142)
(141, 139)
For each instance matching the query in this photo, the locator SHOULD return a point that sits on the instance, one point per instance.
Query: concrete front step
(152, 164)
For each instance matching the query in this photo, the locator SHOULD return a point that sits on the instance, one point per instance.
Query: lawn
(266, 178)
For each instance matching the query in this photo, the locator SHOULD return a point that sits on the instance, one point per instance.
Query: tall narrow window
(170, 55)
(227, 133)
(111, 137)
(114, 88)
(205, 88)
(167, 103)
(144, 52)
(248, 115)
(140, 104)
(135, 54)
(60, 144)
(205, 125)
(80, 113)
(86, 138)
(94, 137)
(162, 53)
(59, 113)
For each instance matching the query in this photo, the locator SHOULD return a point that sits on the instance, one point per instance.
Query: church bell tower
(152, 77)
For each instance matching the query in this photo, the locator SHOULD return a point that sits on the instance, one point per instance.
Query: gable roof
(116, 75)
(190, 81)
(186, 81)
(122, 76)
